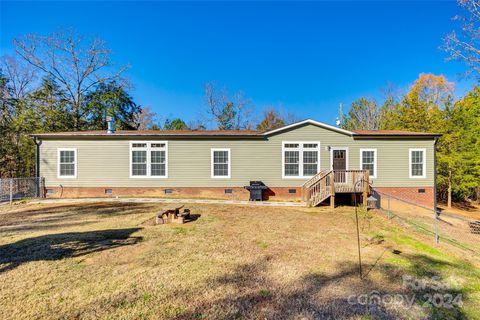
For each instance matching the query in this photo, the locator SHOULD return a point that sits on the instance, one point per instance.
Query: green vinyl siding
(105, 161)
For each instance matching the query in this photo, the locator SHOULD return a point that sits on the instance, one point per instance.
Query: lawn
(108, 261)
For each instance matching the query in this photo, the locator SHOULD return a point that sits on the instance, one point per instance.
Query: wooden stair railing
(327, 183)
(318, 188)
(315, 178)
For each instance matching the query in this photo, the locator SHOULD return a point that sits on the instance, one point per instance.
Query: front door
(339, 165)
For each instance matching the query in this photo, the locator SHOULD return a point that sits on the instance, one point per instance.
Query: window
(300, 159)
(67, 163)
(158, 165)
(220, 163)
(148, 159)
(417, 163)
(368, 161)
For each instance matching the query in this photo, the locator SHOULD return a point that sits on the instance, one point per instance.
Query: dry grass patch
(105, 260)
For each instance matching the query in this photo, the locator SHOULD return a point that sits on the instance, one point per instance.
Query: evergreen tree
(175, 124)
(51, 107)
(110, 99)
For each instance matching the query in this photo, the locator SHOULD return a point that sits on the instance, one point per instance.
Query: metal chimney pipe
(110, 126)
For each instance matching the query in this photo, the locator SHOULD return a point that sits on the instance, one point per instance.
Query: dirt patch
(467, 210)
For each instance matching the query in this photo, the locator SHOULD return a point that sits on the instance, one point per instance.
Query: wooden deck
(327, 183)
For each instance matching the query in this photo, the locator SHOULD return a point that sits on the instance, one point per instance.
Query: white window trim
(374, 176)
(331, 156)
(300, 158)
(229, 163)
(59, 176)
(424, 164)
(148, 148)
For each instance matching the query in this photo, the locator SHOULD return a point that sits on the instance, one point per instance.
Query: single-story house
(307, 159)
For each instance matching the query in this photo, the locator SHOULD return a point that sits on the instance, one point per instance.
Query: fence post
(388, 210)
(11, 191)
(42, 187)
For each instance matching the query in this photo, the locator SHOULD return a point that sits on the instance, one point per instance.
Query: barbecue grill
(256, 190)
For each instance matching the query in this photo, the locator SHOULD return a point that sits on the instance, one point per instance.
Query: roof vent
(110, 126)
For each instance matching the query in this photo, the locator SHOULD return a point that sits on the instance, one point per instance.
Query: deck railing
(328, 182)
(347, 181)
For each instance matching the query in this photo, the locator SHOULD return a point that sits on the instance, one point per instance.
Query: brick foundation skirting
(423, 196)
(232, 193)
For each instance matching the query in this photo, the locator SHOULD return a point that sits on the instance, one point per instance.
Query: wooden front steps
(327, 183)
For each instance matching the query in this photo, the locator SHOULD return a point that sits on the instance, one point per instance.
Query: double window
(368, 161)
(220, 163)
(67, 163)
(148, 159)
(417, 163)
(300, 159)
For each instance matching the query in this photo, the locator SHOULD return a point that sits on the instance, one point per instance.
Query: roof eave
(308, 121)
(47, 135)
(418, 136)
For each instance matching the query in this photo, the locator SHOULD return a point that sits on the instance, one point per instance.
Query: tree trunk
(449, 196)
(76, 118)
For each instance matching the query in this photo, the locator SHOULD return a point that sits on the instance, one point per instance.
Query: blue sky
(303, 57)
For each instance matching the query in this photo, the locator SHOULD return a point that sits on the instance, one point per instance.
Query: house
(306, 159)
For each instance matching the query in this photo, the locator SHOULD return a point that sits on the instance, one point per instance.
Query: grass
(108, 261)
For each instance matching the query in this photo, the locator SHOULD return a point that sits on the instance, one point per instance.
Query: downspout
(437, 237)
(37, 142)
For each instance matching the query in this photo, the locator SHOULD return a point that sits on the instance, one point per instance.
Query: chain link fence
(21, 188)
(461, 232)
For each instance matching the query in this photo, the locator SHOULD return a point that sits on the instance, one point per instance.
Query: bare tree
(290, 117)
(225, 111)
(465, 44)
(76, 64)
(364, 114)
(20, 76)
(146, 119)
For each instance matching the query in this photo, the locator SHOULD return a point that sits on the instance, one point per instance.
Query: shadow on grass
(247, 293)
(67, 210)
(193, 217)
(63, 245)
(60, 216)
